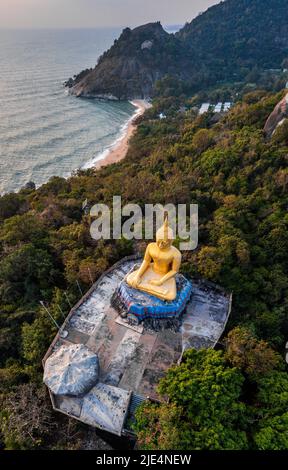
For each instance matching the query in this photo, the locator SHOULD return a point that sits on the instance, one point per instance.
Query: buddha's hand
(135, 282)
(156, 282)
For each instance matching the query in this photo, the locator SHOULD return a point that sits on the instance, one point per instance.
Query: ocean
(43, 130)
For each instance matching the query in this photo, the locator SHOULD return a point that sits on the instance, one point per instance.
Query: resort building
(204, 108)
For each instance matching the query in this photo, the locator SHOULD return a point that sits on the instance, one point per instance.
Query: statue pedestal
(137, 305)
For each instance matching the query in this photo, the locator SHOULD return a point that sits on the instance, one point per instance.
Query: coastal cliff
(131, 67)
(226, 42)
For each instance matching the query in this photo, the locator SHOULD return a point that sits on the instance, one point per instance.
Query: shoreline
(112, 154)
(118, 150)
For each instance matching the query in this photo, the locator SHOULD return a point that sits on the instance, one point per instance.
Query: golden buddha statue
(161, 263)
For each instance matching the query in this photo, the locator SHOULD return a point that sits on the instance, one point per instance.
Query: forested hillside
(239, 179)
(227, 42)
(237, 34)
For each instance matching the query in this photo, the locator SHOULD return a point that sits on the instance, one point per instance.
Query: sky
(97, 13)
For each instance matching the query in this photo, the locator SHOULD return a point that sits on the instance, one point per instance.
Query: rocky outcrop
(131, 67)
(77, 78)
(277, 117)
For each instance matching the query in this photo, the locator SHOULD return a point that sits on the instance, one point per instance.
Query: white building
(227, 106)
(204, 108)
(218, 108)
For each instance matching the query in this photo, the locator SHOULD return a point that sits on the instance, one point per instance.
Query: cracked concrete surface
(133, 360)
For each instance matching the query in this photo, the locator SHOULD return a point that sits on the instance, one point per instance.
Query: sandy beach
(119, 150)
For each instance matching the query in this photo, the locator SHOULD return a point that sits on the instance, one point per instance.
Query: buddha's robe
(159, 263)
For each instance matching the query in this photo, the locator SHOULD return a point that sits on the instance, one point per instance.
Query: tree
(204, 409)
(27, 273)
(9, 205)
(273, 435)
(246, 352)
(209, 262)
(27, 421)
(35, 341)
(202, 140)
(273, 392)
(26, 418)
(271, 432)
(13, 374)
(23, 228)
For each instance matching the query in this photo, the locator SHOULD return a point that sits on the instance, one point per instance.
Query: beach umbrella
(71, 370)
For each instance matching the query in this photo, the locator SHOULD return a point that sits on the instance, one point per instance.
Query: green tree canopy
(205, 410)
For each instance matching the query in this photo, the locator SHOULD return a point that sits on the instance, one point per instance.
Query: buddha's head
(164, 236)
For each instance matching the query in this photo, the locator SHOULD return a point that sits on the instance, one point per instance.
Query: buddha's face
(164, 244)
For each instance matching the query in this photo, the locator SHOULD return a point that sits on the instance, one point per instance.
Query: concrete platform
(132, 360)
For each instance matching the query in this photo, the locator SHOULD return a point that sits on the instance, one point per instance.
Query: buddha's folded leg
(166, 291)
(170, 291)
(153, 289)
(146, 276)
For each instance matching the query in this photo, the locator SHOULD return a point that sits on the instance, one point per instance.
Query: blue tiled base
(144, 305)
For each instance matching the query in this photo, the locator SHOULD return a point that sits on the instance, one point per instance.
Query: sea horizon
(87, 28)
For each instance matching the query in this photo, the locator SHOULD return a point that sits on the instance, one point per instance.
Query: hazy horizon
(80, 14)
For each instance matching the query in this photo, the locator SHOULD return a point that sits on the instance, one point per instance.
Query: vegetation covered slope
(226, 42)
(239, 179)
(239, 33)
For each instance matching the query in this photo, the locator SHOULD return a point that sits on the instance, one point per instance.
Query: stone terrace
(132, 358)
